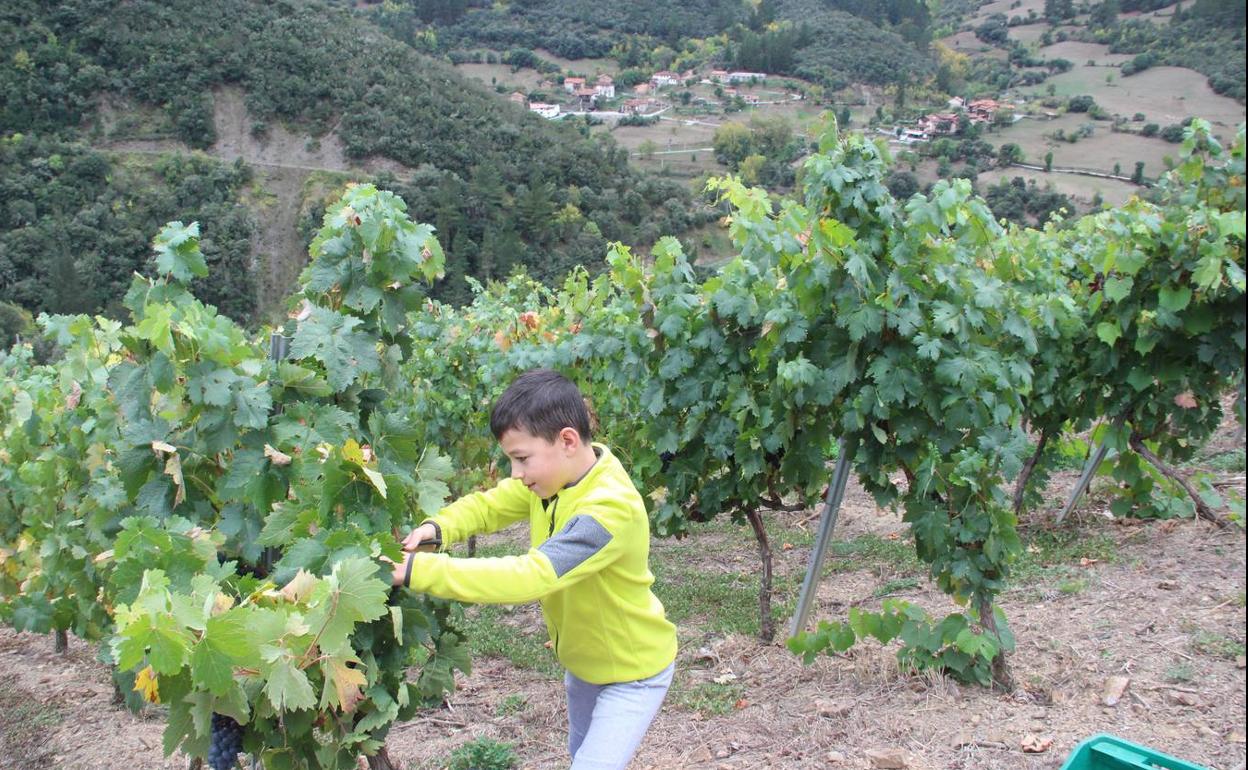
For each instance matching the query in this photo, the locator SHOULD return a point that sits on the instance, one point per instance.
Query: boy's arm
(588, 543)
(480, 513)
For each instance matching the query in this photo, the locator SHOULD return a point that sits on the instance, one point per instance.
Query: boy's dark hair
(541, 402)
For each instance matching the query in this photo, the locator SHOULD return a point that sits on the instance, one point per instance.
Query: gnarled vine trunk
(766, 624)
(381, 761)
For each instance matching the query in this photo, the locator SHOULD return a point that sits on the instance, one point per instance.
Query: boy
(588, 565)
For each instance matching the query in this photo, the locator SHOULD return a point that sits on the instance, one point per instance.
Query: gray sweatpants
(607, 722)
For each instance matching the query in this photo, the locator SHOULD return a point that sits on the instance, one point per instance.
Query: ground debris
(1114, 688)
(888, 759)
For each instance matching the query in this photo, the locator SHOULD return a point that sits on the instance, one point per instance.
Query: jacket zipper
(554, 506)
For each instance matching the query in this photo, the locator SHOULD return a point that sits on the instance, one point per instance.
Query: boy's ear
(569, 438)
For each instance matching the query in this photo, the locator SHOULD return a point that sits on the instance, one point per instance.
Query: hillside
(831, 42)
(490, 174)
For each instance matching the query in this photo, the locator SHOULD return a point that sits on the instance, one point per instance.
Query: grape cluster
(226, 742)
(666, 458)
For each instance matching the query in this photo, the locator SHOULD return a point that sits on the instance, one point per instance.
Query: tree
(1105, 14)
(732, 142)
(1048, 161)
(1009, 154)
(1138, 176)
(844, 117)
(647, 149)
(751, 169)
(1083, 103)
(902, 184)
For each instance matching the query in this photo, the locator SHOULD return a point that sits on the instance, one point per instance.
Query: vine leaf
(225, 644)
(330, 337)
(177, 252)
(352, 593)
(348, 682)
(288, 687)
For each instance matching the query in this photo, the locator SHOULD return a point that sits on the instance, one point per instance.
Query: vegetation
(489, 174)
(76, 224)
(1207, 36)
(831, 43)
(1024, 202)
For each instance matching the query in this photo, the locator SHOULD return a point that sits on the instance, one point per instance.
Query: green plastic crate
(1107, 752)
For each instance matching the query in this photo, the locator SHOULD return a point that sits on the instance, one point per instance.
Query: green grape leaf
(288, 687)
(177, 252)
(1174, 299)
(329, 337)
(352, 593)
(225, 644)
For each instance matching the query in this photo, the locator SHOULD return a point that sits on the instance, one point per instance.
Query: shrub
(483, 754)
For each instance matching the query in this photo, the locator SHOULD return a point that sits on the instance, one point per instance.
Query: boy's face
(544, 466)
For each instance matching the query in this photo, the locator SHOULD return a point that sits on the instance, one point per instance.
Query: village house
(718, 76)
(641, 89)
(605, 87)
(585, 98)
(938, 124)
(547, 111)
(641, 106)
(517, 97)
(663, 78)
(745, 77)
(983, 110)
(572, 84)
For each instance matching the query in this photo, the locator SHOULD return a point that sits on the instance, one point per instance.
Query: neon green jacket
(588, 565)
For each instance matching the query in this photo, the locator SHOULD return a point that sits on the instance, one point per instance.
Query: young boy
(588, 565)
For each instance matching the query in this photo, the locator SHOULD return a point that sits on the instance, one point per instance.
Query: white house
(545, 110)
(605, 87)
(663, 78)
(745, 77)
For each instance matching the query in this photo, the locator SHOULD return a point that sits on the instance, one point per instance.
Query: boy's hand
(417, 536)
(399, 574)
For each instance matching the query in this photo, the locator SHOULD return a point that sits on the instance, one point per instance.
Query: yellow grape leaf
(299, 586)
(347, 681)
(376, 479)
(222, 602)
(352, 453)
(277, 456)
(146, 684)
(173, 469)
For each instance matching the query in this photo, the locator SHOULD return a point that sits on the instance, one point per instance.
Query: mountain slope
(492, 173)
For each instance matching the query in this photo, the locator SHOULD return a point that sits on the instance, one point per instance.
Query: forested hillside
(832, 42)
(505, 186)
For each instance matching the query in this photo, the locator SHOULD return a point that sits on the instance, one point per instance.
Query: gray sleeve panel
(575, 544)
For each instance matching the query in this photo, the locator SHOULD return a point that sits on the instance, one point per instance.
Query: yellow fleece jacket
(588, 565)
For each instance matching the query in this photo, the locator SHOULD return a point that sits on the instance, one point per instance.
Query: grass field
(587, 67)
(1081, 53)
(1082, 188)
(1164, 94)
(1028, 33)
(1100, 151)
(1010, 8)
(524, 79)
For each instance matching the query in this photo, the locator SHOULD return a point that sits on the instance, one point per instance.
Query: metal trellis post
(827, 522)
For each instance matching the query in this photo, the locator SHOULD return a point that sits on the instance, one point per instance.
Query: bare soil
(1162, 604)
